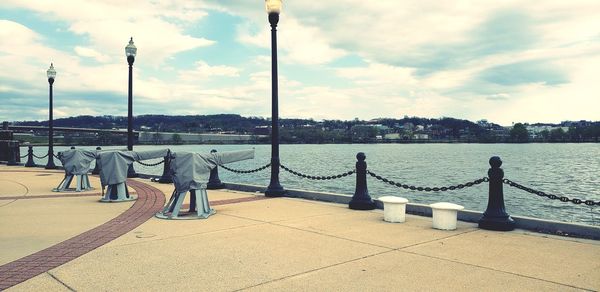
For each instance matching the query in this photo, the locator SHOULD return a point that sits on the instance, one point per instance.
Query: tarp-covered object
(189, 169)
(77, 161)
(114, 164)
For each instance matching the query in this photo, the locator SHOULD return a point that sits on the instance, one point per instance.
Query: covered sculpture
(113, 171)
(76, 163)
(189, 171)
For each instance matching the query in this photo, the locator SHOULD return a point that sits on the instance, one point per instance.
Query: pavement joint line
(63, 252)
(495, 270)
(316, 269)
(438, 239)
(61, 282)
(310, 231)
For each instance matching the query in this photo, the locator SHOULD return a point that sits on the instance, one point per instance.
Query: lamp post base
(131, 172)
(497, 223)
(275, 191)
(362, 205)
(50, 164)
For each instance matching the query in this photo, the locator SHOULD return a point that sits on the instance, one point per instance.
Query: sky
(504, 61)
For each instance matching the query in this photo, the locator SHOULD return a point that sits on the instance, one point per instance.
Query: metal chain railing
(428, 189)
(23, 156)
(244, 171)
(151, 164)
(40, 157)
(550, 196)
(318, 177)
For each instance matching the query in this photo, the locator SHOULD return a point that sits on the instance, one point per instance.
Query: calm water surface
(571, 170)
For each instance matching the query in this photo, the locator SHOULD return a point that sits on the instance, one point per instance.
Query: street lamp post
(51, 73)
(274, 189)
(130, 52)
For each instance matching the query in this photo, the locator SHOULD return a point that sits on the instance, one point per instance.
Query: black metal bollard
(495, 216)
(361, 199)
(166, 177)
(214, 182)
(12, 153)
(30, 162)
(96, 169)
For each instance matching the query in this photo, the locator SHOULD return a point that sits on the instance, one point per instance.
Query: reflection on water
(570, 170)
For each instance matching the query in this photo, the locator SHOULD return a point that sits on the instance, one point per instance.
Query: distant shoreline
(357, 143)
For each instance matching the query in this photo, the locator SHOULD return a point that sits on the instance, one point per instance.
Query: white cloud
(203, 70)
(109, 24)
(301, 43)
(91, 53)
(416, 58)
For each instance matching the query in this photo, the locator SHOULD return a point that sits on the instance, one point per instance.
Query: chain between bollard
(318, 177)
(40, 157)
(428, 189)
(550, 196)
(23, 156)
(151, 164)
(244, 171)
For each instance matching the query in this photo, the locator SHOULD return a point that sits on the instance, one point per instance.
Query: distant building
(165, 137)
(392, 136)
(420, 136)
(262, 130)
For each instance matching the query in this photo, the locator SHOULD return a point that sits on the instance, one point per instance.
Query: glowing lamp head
(273, 6)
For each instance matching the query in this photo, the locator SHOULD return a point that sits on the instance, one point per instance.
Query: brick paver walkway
(150, 200)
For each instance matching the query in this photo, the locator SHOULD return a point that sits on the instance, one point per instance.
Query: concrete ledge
(527, 223)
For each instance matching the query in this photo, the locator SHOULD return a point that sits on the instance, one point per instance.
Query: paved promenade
(71, 242)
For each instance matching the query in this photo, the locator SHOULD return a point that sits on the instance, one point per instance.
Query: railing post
(214, 182)
(96, 169)
(12, 153)
(166, 177)
(361, 199)
(30, 162)
(495, 216)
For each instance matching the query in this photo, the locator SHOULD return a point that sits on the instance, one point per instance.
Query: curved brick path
(150, 200)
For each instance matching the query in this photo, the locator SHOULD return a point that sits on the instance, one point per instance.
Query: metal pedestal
(82, 183)
(117, 193)
(199, 207)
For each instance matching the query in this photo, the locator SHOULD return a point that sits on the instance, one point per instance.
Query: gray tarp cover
(114, 164)
(189, 169)
(77, 161)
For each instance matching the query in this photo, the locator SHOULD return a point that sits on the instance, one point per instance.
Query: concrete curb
(526, 223)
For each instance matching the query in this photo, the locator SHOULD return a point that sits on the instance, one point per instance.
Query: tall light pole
(130, 52)
(51, 73)
(274, 189)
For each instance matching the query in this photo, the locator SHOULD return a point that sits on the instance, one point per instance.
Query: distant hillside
(404, 130)
(232, 122)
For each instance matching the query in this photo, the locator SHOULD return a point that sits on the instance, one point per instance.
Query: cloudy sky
(505, 61)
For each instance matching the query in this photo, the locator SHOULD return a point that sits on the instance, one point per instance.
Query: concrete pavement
(274, 244)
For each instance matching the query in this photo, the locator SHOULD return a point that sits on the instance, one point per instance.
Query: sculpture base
(117, 193)
(82, 183)
(199, 206)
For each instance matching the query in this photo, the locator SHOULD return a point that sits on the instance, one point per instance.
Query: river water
(571, 170)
